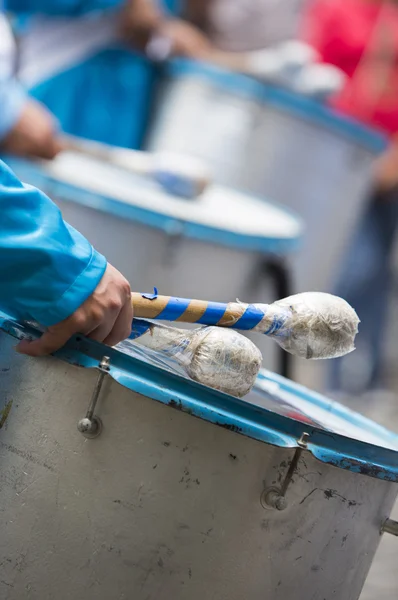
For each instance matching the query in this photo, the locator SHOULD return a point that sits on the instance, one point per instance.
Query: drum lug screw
(272, 498)
(91, 426)
(390, 526)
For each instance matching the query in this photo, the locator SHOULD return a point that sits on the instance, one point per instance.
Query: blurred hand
(187, 40)
(105, 316)
(386, 168)
(34, 134)
(138, 20)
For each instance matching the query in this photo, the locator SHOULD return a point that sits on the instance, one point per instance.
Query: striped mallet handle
(310, 325)
(234, 314)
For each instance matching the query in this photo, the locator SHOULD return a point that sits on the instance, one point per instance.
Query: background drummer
(361, 38)
(79, 58)
(26, 127)
(51, 274)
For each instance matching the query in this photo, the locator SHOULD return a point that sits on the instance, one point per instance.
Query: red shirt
(361, 38)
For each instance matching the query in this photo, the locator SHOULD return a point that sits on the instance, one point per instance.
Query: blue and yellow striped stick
(311, 325)
(234, 314)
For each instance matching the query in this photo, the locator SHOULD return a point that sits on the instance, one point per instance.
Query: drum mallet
(310, 325)
(177, 174)
(222, 359)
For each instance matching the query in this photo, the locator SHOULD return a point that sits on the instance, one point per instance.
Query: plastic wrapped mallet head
(224, 360)
(219, 358)
(317, 325)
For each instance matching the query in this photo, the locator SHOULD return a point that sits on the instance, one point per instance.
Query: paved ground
(382, 581)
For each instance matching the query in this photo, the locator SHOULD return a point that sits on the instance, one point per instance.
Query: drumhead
(220, 215)
(276, 412)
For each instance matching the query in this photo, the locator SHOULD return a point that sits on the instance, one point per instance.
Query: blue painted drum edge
(37, 176)
(283, 100)
(164, 504)
(240, 416)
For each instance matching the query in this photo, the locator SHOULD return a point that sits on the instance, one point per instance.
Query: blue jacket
(47, 268)
(60, 7)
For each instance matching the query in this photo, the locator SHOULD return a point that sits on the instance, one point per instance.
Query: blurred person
(49, 273)
(26, 127)
(361, 38)
(85, 60)
(245, 25)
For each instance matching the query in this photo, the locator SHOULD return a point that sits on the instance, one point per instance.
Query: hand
(105, 316)
(138, 20)
(385, 167)
(187, 40)
(34, 133)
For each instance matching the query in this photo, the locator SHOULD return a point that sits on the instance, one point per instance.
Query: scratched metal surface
(165, 504)
(382, 581)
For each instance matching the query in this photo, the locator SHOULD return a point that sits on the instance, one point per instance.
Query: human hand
(105, 316)
(138, 20)
(34, 134)
(187, 40)
(386, 168)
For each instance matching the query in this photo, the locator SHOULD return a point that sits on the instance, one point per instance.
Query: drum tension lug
(91, 426)
(275, 497)
(390, 526)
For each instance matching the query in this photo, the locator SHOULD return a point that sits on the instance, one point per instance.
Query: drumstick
(178, 174)
(311, 325)
(220, 358)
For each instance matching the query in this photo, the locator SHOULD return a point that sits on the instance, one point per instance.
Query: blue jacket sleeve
(12, 100)
(59, 7)
(47, 268)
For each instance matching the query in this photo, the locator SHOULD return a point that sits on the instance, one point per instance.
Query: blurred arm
(12, 102)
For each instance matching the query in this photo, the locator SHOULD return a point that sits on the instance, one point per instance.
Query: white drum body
(275, 144)
(163, 505)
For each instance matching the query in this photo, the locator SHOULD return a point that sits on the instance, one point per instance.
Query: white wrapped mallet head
(222, 359)
(317, 325)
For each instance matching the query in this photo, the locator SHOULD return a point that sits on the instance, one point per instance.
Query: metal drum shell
(165, 505)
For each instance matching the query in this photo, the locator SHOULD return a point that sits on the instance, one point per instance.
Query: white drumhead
(218, 207)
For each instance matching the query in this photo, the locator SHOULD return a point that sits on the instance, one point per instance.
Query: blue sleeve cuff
(12, 101)
(83, 286)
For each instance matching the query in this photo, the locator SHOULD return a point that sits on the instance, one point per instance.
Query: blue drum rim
(229, 412)
(282, 99)
(146, 216)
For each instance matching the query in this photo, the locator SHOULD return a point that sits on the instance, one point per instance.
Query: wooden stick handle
(235, 314)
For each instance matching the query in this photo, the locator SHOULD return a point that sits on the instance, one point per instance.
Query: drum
(168, 489)
(213, 247)
(272, 143)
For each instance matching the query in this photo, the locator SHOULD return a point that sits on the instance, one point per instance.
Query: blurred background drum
(172, 506)
(273, 143)
(224, 244)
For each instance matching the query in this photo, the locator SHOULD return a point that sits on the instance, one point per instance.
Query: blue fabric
(12, 101)
(59, 7)
(47, 269)
(106, 98)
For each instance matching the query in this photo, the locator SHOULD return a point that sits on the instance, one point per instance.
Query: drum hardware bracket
(275, 497)
(91, 426)
(390, 526)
